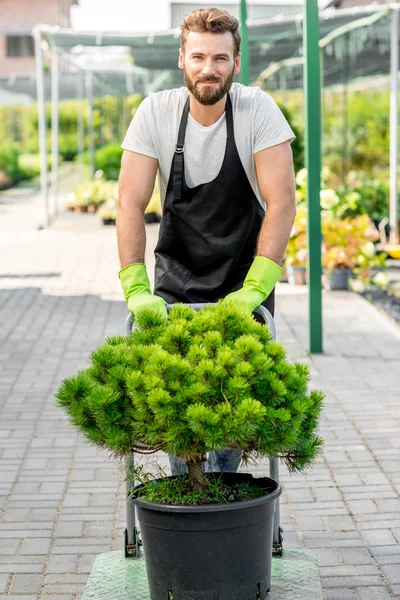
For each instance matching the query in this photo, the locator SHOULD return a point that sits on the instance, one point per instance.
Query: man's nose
(208, 68)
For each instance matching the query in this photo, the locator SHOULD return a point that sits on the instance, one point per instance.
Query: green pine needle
(197, 382)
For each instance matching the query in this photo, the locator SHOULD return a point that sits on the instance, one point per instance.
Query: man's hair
(211, 20)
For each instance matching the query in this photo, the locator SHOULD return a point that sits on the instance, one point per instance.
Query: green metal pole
(312, 94)
(244, 54)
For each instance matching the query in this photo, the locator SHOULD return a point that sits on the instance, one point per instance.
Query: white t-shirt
(257, 120)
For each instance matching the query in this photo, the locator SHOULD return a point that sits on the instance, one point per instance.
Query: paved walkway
(62, 501)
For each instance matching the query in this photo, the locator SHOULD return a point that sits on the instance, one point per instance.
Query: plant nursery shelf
(295, 576)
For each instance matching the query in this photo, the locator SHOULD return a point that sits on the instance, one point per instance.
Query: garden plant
(188, 385)
(195, 383)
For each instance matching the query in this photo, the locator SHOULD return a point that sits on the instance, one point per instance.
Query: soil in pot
(210, 551)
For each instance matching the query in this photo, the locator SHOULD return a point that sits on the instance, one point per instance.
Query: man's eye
(221, 58)
(197, 56)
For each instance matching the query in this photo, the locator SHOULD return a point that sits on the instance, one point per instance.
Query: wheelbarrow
(132, 535)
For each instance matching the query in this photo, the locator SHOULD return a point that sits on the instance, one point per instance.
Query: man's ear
(237, 64)
(180, 60)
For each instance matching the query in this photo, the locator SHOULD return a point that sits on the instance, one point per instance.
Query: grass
(177, 491)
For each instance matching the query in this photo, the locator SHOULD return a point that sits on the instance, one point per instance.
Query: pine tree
(201, 381)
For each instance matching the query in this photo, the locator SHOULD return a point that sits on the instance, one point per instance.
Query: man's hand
(136, 287)
(259, 283)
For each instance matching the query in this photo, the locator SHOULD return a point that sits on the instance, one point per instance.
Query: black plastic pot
(211, 552)
(338, 279)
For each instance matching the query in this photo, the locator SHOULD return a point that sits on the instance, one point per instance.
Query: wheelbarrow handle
(260, 310)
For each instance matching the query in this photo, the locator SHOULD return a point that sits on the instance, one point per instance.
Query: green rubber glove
(136, 287)
(259, 283)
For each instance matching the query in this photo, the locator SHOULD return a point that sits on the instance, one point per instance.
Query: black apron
(208, 234)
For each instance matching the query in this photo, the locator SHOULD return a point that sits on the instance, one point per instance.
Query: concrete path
(62, 500)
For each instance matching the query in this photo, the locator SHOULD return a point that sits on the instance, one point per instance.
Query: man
(223, 152)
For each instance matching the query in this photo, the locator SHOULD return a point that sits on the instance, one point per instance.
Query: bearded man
(222, 152)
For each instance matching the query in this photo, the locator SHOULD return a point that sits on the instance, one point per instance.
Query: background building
(254, 11)
(17, 18)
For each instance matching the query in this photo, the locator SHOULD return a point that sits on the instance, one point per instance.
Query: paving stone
(65, 588)
(327, 557)
(327, 494)
(19, 597)
(62, 563)
(87, 562)
(58, 597)
(362, 506)
(75, 500)
(352, 582)
(380, 537)
(342, 523)
(35, 546)
(355, 556)
(373, 593)
(335, 594)
(80, 549)
(392, 573)
(349, 571)
(70, 529)
(4, 579)
(26, 584)
(350, 479)
(9, 545)
(12, 515)
(310, 523)
(43, 514)
(396, 590)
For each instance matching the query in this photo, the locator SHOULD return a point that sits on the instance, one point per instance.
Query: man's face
(209, 65)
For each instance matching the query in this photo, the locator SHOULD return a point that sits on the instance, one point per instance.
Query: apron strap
(229, 118)
(178, 162)
(182, 127)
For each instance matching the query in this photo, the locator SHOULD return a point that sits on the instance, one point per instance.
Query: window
(20, 45)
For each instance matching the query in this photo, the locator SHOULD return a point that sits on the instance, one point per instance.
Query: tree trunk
(196, 475)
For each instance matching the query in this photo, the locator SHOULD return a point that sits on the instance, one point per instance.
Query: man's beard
(208, 95)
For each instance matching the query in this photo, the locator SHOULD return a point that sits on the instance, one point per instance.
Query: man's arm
(276, 181)
(275, 176)
(136, 184)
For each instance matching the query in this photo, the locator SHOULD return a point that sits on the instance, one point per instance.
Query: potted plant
(348, 249)
(196, 383)
(89, 196)
(108, 211)
(296, 255)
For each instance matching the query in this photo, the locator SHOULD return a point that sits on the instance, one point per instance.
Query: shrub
(9, 163)
(97, 191)
(196, 383)
(68, 146)
(298, 143)
(348, 243)
(108, 159)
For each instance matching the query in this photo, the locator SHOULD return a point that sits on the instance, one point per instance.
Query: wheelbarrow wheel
(277, 548)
